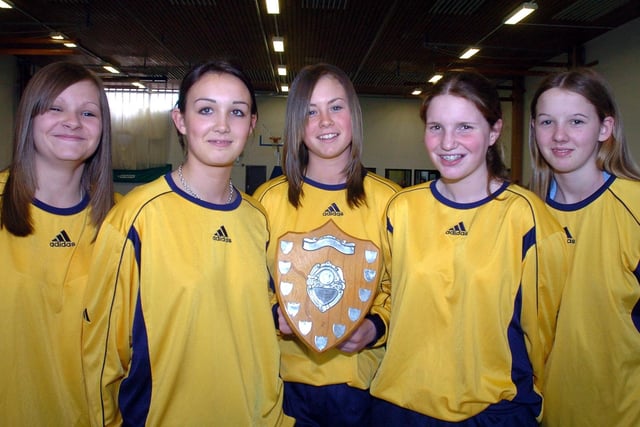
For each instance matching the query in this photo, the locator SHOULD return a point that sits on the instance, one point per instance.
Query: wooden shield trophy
(326, 281)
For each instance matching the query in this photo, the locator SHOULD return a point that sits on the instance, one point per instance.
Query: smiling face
(568, 131)
(69, 131)
(328, 131)
(217, 119)
(457, 137)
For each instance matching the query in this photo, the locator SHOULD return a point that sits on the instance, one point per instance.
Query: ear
(606, 128)
(252, 126)
(178, 120)
(494, 132)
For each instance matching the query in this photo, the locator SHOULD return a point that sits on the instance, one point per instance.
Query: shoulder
(378, 183)
(135, 200)
(627, 193)
(4, 176)
(252, 203)
(273, 186)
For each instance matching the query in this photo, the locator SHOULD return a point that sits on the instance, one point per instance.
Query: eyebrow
(215, 102)
(331, 101)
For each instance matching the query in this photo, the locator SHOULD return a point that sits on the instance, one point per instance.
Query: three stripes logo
(62, 240)
(221, 235)
(458, 230)
(332, 210)
(570, 238)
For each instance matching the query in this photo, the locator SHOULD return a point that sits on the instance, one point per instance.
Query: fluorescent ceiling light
(5, 5)
(282, 70)
(111, 69)
(469, 53)
(284, 88)
(278, 44)
(70, 45)
(273, 7)
(524, 10)
(416, 92)
(139, 85)
(57, 36)
(435, 78)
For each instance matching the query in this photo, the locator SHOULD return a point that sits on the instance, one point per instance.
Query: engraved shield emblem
(326, 281)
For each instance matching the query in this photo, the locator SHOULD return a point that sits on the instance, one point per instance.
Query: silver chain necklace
(192, 193)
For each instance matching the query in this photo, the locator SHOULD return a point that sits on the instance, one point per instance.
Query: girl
(477, 266)
(325, 180)
(55, 194)
(177, 329)
(582, 166)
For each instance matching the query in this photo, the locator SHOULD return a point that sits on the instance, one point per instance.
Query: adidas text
(329, 213)
(221, 238)
(457, 232)
(54, 244)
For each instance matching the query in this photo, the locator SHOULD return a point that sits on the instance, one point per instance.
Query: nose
(449, 141)
(71, 121)
(325, 119)
(221, 124)
(559, 134)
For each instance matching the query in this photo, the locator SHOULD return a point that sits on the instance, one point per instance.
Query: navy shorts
(330, 405)
(503, 414)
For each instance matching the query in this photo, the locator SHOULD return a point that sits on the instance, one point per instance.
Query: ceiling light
(5, 5)
(70, 45)
(273, 8)
(469, 53)
(57, 36)
(278, 44)
(434, 79)
(284, 88)
(111, 69)
(282, 70)
(416, 92)
(521, 12)
(139, 85)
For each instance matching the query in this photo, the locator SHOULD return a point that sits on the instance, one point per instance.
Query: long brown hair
(295, 152)
(97, 181)
(613, 154)
(478, 90)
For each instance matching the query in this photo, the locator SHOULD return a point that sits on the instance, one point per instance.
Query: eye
(54, 108)
(238, 113)
(89, 114)
(577, 122)
(205, 110)
(336, 107)
(465, 127)
(312, 113)
(546, 122)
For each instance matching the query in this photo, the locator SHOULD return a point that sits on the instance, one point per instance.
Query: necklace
(192, 193)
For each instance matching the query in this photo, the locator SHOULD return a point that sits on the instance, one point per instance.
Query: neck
(574, 188)
(465, 192)
(59, 187)
(327, 172)
(212, 185)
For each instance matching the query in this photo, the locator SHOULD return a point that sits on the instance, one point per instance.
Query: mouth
(561, 151)
(451, 157)
(327, 136)
(220, 142)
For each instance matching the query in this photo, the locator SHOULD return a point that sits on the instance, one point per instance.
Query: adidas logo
(62, 240)
(457, 230)
(332, 210)
(570, 238)
(221, 235)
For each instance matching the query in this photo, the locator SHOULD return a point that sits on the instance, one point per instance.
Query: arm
(108, 317)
